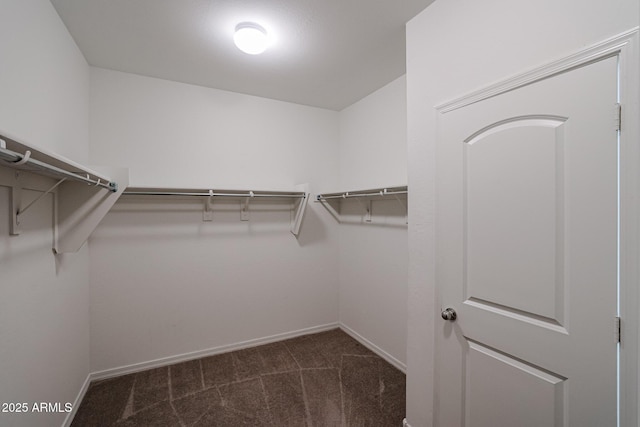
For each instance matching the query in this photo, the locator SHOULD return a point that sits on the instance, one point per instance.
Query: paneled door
(527, 219)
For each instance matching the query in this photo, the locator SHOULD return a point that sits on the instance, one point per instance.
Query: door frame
(626, 47)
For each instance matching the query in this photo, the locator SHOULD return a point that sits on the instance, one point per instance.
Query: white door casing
(527, 215)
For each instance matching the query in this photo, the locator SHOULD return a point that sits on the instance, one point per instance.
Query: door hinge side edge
(618, 116)
(618, 329)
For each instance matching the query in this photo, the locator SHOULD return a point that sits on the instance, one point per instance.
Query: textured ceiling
(327, 53)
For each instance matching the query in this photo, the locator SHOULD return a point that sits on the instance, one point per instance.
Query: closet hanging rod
(213, 194)
(348, 195)
(25, 162)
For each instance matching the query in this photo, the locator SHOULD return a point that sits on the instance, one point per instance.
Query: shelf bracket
(302, 206)
(23, 210)
(368, 207)
(207, 213)
(244, 208)
(16, 200)
(404, 206)
(327, 205)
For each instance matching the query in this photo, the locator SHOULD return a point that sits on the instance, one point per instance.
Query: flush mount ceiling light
(251, 38)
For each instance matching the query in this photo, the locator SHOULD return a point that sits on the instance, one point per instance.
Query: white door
(527, 255)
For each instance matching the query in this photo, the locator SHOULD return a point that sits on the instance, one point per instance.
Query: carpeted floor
(324, 379)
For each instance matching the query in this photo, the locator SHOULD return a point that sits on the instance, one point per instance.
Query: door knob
(449, 314)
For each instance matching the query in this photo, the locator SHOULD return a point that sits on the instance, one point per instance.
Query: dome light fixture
(251, 38)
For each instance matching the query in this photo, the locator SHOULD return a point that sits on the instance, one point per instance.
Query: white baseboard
(137, 367)
(371, 346)
(76, 403)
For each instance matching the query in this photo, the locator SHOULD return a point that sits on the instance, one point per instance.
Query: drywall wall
(493, 40)
(44, 309)
(373, 139)
(374, 256)
(165, 283)
(44, 81)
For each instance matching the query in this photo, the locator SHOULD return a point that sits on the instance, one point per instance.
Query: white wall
(164, 282)
(44, 309)
(203, 276)
(373, 139)
(374, 256)
(493, 39)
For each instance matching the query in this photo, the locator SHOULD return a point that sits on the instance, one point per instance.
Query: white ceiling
(328, 53)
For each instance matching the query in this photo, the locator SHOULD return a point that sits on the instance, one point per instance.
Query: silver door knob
(449, 314)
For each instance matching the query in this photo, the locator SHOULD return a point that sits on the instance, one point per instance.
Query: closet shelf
(333, 201)
(81, 196)
(300, 199)
(27, 158)
(375, 192)
(191, 192)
